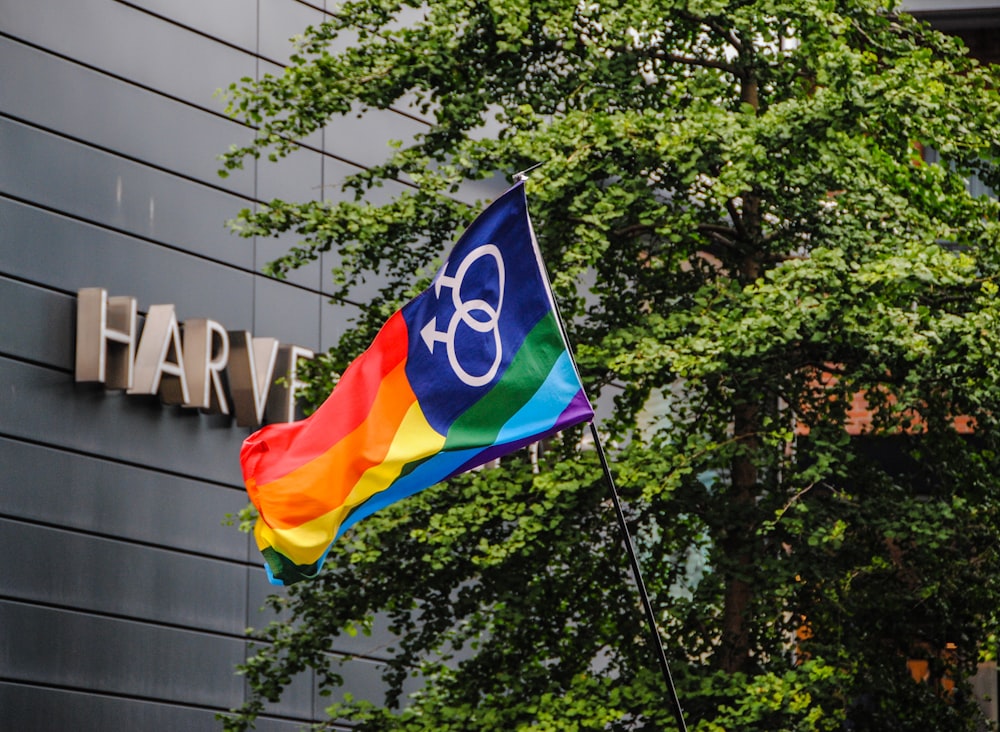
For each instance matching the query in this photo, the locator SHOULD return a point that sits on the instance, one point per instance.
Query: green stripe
(285, 569)
(480, 424)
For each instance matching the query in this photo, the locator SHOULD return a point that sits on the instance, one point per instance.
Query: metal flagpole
(636, 572)
(647, 606)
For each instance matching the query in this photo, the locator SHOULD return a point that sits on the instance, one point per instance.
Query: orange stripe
(279, 449)
(306, 543)
(324, 483)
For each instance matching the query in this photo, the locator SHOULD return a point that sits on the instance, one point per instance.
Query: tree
(741, 186)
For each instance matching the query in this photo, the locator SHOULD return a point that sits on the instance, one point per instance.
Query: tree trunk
(739, 541)
(738, 545)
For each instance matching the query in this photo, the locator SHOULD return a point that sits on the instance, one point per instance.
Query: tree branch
(691, 61)
(633, 230)
(722, 231)
(712, 25)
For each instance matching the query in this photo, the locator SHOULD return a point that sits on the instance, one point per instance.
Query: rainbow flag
(473, 368)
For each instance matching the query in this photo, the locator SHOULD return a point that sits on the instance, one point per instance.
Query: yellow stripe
(415, 439)
(324, 483)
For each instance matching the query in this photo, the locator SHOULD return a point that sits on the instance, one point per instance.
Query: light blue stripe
(538, 416)
(542, 411)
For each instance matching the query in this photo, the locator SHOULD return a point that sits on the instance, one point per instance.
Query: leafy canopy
(743, 235)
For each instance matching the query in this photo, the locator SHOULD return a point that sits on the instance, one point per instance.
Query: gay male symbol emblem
(477, 314)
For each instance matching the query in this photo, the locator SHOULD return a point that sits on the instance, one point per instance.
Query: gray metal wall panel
(192, 67)
(480, 192)
(135, 45)
(297, 698)
(65, 568)
(298, 177)
(45, 406)
(56, 173)
(118, 116)
(267, 250)
(61, 488)
(37, 325)
(381, 644)
(362, 680)
(142, 627)
(364, 140)
(258, 590)
(359, 139)
(279, 21)
(73, 650)
(235, 21)
(282, 310)
(33, 709)
(376, 646)
(916, 6)
(232, 21)
(362, 676)
(67, 254)
(333, 322)
(334, 171)
(265, 724)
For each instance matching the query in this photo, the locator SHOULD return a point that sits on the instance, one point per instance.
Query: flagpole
(647, 606)
(661, 656)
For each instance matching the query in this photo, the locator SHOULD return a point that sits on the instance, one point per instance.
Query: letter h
(105, 338)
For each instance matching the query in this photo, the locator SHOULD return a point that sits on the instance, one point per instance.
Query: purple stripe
(578, 410)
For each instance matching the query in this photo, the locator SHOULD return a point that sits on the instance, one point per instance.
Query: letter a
(161, 342)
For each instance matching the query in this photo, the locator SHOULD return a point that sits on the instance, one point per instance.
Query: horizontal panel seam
(114, 461)
(120, 539)
(254, 53)
(123, 79)
(11, 681)
(197, 31)
(186, 102)
(4, 195)
(128, 234)
(249, 641)
(104, 615)
(131, 158)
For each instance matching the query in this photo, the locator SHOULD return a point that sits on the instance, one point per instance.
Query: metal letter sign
(197, 364)
(160, 355)
(206, 353)
(252, 365)
(281, 401)
(106, 333)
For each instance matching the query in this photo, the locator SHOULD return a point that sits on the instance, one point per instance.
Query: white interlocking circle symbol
(477, 314)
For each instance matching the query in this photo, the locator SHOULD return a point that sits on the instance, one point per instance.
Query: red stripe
(278, 449)
(325, 483)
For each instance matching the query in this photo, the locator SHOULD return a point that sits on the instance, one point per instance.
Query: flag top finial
(522, 175)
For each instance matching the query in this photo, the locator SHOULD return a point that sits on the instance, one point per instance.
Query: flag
(474, 367)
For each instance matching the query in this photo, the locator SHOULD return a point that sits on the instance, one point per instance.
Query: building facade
(124, 599)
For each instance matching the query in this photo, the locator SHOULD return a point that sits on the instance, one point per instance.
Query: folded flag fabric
(473, 368)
